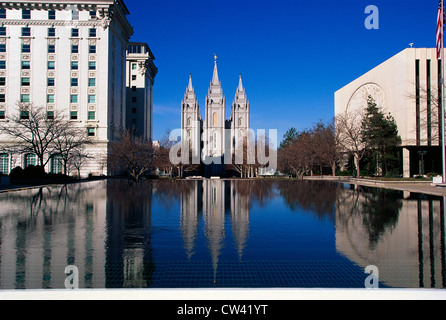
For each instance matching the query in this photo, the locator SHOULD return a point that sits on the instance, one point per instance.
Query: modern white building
(214, 137)
(69, 57)
(406, 86)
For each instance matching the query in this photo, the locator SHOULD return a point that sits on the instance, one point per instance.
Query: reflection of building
(35, 258)
(97, 227)
(406, 243)
(128, 243)
(214, 215)
(406, 85)
(105, 229)
(211, 199)
(191, 206)
(240, 218)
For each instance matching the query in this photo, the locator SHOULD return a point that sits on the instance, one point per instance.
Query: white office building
(70, 57)
(406, 86)
(141, 72)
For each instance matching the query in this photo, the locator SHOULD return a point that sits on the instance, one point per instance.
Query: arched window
(188, 121)
(4, 163)
(215, 119)
(30, 160)
(240, 121)
(214, 140)
(56, 164)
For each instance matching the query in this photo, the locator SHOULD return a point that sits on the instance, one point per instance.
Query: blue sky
(292, 54)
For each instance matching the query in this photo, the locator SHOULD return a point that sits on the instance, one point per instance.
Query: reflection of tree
(167, 191)
(256, 190)
(380, 210)
(318, 197)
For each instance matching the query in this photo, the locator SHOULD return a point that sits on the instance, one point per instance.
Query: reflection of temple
(406, 242)
(212, 199)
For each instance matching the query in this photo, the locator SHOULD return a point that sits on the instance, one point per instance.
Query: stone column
(406, 163)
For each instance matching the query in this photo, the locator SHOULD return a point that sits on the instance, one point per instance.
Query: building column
(406, 163)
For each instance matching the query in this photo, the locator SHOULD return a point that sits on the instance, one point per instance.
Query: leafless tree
(161, 160)
(78, 159)
(31, 130)
(131, 154)
(350, 135)
(243, 157)
(326, 145)
(70, 144)
(298, 157)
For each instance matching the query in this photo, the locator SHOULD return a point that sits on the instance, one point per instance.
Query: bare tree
(32, 132)
(161, 160)
(77, 160)
(350, 135)
(297, 157)
(131, 154)
(70, 144)
(243, 158)
(326, 145)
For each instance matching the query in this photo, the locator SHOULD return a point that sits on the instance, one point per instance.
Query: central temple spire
(215, 80)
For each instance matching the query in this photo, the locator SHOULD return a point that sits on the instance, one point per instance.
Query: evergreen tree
(289, 138)
(381, 133)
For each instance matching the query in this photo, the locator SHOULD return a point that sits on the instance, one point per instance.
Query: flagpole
(442, 95)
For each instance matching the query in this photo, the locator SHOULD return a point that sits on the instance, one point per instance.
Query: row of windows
(50, 98)
(51, 82)
(26, 32)
(56, 164)
(26, 48)
(50, 115)
(24, 115)
(26, 65)
(26, 14)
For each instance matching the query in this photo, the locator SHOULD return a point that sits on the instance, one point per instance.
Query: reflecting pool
(220, 233)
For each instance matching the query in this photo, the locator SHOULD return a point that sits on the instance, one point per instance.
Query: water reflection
(250, 233)
(401, 233)
(44, 230)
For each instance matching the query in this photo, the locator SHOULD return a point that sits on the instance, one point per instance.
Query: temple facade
(214, 138)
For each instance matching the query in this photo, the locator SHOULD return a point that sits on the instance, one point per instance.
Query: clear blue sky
(293, 55)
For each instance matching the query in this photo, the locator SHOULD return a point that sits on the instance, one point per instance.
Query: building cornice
(56, 23)
(108, 11)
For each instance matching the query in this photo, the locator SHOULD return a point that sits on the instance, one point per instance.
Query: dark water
(233, 234)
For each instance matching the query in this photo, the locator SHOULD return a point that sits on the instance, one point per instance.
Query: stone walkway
(409, 186)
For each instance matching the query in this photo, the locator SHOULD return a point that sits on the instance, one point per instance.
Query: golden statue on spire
(215, 57)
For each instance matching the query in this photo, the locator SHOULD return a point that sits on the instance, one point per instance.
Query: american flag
(440, 27)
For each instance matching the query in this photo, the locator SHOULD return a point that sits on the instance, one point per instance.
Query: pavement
(426, 187)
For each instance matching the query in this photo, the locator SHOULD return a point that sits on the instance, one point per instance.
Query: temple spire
(240, 84)
(215, 80)
(190, 87)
